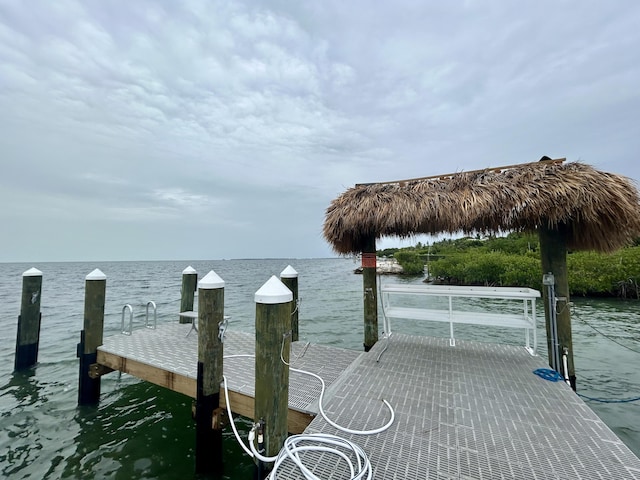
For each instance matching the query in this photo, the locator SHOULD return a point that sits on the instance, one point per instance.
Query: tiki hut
(598, 211)
(571, 206)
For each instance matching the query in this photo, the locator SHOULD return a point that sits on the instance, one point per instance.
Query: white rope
(312, 442)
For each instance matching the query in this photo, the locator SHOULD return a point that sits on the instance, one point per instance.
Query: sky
(202, 129)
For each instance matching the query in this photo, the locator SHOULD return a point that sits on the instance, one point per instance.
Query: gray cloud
(203, 129)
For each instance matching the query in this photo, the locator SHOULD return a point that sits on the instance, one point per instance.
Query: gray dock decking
(169, 348)
(473, 411)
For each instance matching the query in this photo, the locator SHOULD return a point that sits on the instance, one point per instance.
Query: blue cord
(604, 400)
(553, 376)
(548, 374)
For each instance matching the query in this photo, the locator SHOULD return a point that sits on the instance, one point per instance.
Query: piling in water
(29, 320)
(210, 358)
(91, 336)
(189, 285)
(289, 277)
(273, 329)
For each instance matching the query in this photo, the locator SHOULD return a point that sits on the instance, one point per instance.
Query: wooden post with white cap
(189, 285)
(28, 335)
(289, 277)
(273, 326)
(91, 336)
(210, 357)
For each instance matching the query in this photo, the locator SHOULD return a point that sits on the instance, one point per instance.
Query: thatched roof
(601, 211)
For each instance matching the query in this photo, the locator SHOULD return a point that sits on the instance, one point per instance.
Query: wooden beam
(241, 404)
(158, 376)
(449, 175)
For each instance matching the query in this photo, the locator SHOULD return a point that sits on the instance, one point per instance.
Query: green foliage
(387, 252)
(489, 268)
(410, 262)
(514, 260)
(615, 274)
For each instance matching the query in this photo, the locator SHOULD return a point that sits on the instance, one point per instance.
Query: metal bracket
(96, 370)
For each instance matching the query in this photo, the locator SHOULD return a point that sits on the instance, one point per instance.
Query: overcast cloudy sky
(204, 130)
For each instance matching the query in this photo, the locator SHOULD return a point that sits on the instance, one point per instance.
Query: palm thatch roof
(597, 210)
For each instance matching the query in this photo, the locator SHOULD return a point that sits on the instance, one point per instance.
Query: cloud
(234, 116)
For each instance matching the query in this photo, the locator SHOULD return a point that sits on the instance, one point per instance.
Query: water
(140, 431)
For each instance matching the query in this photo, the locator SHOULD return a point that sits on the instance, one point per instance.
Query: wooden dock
(168, 356)
(473, 411)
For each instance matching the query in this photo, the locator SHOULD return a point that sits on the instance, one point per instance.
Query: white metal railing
(526, 320)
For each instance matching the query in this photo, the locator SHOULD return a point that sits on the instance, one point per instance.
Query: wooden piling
(273, 327)
(189, 285)
(370, 293)
(553, 255)
(289, 277)
(210, 359)
(91, 336)
(29, 320)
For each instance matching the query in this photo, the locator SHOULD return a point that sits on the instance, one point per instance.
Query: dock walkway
(473, 411)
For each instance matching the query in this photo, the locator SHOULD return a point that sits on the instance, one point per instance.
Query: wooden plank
(241, 404)
(158, 376)
(244, 405)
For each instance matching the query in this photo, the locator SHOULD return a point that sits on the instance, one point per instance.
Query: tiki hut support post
(553, 253)
(370, 292)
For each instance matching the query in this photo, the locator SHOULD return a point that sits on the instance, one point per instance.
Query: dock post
(273, 326)
(28, 336)
(91, 336)
(553, 255)
(289, 277)
(189, 285)
(370, 293)
(210, 357)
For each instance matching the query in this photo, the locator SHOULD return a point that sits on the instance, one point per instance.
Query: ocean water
(140, 431)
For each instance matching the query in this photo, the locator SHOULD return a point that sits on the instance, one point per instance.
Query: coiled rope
(359, 468)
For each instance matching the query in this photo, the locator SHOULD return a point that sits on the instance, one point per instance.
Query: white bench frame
(526, 320)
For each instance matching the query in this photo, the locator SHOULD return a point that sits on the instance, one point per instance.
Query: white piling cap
(189, 270)
(211, 281)
(289, 272)
(32, 272)
(273, 291)
(96, 275)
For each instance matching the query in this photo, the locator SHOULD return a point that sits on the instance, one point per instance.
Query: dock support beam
(289, 277)
(553, 254)
(189, 285)
(273, 326)
(91, 336)
(370, 293)
(28, 336)
(210, 357)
